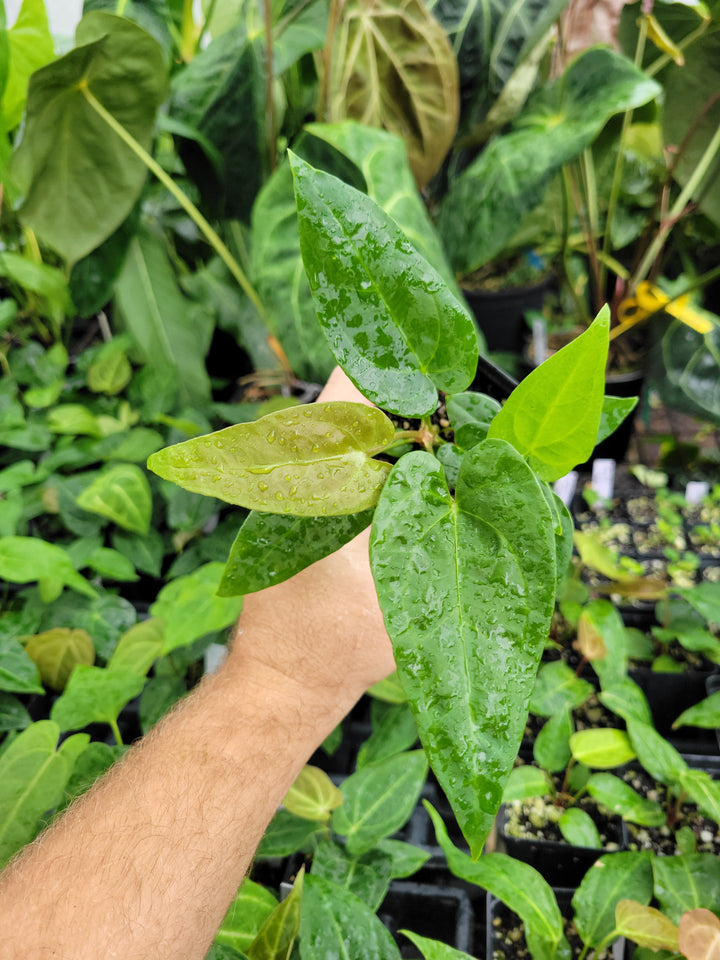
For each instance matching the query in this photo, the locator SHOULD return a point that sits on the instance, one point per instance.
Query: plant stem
(270, 107)
(211, 236)
(324, 85)
(683, 44)
(116, 732)
(120, 8)
(580, 305)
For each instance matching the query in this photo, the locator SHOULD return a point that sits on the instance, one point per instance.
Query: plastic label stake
(565, 487)
(603, 478)
(696, 490)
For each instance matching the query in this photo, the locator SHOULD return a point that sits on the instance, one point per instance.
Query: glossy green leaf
(603, 748)
(661, 760)
(190, 608)
(313, 795)
(705, 714)
(525, 782)
(31, 47)
(703, 790)
(614, 411)
(336, 923)
(307, 460)
(82, 179)
(608, 881)
(646, 926)
(488, 200)
(171, 336)
(391, 322)
(691, 369)
(29, 559)
(278, 934)
(406, 858)
(271, 547)
(552, 417)
(57, 652)
(558, 688)
(551, 748)
(95, 695)
(139, 647)
(519, 886)
(618, 796)
(578, 828)
(379, 799)
(122, 494)
(33, 773)
(18, 673)
(367, 876)
(249, 910)
(434, 949)
(286, 834)
(687, 882)
(491, 553)
(393, 731)
(392, 67)
(471, 409)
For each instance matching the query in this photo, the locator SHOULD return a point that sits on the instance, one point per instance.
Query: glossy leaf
(488, 200)
(551, 748)
(703, 790)
(406, 858)
(661, 760)
(646, 926)
(18, 673)
(313, 795)
(190, 608)
(627, 700)
(467, 642)
(57, 652)
(393, 731)
(337, 923)
(122, 494)
(379, 800)
(249, 910)
(392, 67)
(558, 688)
(33, 773)
(139, 647)
(705, 714)
(687, 882)
(618, 796)
(578, 828)
(29, 559)
(603, 748)
(699, 935)
(691, 369)
(614, 411)
(31, 47)
(307, 460)
(519, 886)
(525, 782)
(367, 876)
(286, 834)
(82, 179)
(278, 934)
(95, 695)
(391, 322)
(606, 883)
(434, 949)
(271, 547)
(552, 417)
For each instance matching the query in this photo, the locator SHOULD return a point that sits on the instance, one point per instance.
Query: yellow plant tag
(650, 299)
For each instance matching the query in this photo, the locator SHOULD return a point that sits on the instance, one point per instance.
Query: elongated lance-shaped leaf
(620, 797)
(308, 460)
(518, 885)
(434, 949)
(467, 590)
(271, 547)
(553, 416)
(279, 932)
(606, 883)
(391, 322)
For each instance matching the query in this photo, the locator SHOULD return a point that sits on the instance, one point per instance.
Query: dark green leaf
(703, 790)
(144, 552)
(602, 616)
(159, 695)
(407, 859)
(393, 731)
(687, 882)
(609, 880)
(92, 279)
(618, 796)
(434, 949)
(18, 673)
(105, 618)
(286, 834)
(558, 688)
(578, 828)
(551, 748)
(627, 700)
(367, 876)
(13, 715)
(92, 763)
(94, 695)
(705, 598)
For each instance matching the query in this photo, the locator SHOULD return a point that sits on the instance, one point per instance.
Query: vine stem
(210, 234)
(270, 111)
(116, 732)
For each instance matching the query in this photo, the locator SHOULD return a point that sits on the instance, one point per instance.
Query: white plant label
(565, 487)
(603, 478)
(696, 490)
(540, 346)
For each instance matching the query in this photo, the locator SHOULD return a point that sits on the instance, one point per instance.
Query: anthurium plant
(468, 540)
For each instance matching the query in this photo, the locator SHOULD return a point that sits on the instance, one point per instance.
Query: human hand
(322, 629)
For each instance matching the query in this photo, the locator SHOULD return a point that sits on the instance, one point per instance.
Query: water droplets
(270, 436)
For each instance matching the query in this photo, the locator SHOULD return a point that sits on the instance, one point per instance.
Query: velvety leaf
(488, 200)
(552, 417)
(618, 796)
(700, 787)
(434, 949)
(393, 67)
(393, 731)
(705, 714)
(606, 883)
(627, 700)
(190, 607)
(249, 910)
(110, 371)
(661, 760)
(271, 547)
(699, 935)
(307, 460)
(614, 411)
(337, 923)
(57, 652)
(29, 559)
(144, 552)
(379, 800)
(105, 618)
(578, 828)
(551, 748)
(687, 882)
(94, 695)
(603, 748)
(525, 782)
(33, 774)
(391, 322)
(466, 684)
(519, 886)
(646, 926)
(367, 876)
(285, 835)
(83, 180)
(278, 933)
(313, 795)
(558, 688)
(407, 859)
(18, 673)
(122, 494)
(139, 647)
(13, 715)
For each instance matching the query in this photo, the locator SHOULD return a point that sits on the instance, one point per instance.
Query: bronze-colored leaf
(699, 936)
(589, 641)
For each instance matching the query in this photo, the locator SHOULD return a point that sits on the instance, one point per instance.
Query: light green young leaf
(603, 886)
(110, 371)
(705, 598)
(18, 673)
(552, 417)
(705, 714)
(29, 559)
(558, 688)
(618, 796)
(278, 934)
(57, 652)
(525, 782)
(139, 647)
(307, 460)
(579, 829)
(392, 323)
(31, 47)
(122, 494)
(74, 419)
(95, 695)
(313, 795)
(434, 949)
(602, 748)
(646, 926)
(251, 907)
(614, 411)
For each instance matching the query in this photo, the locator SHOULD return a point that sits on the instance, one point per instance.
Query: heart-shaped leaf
(313, 795)
(57, 652)
(29, 559)
(557, 687)
(699, 935)
(122, 494)
(18, 673)
(687, 882)
(603, 886)
(95, 695)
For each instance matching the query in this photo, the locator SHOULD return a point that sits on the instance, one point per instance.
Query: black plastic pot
(501, 314)
(442, 913)
(668, 694)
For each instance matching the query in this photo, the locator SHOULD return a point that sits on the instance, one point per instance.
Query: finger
(340, 387)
